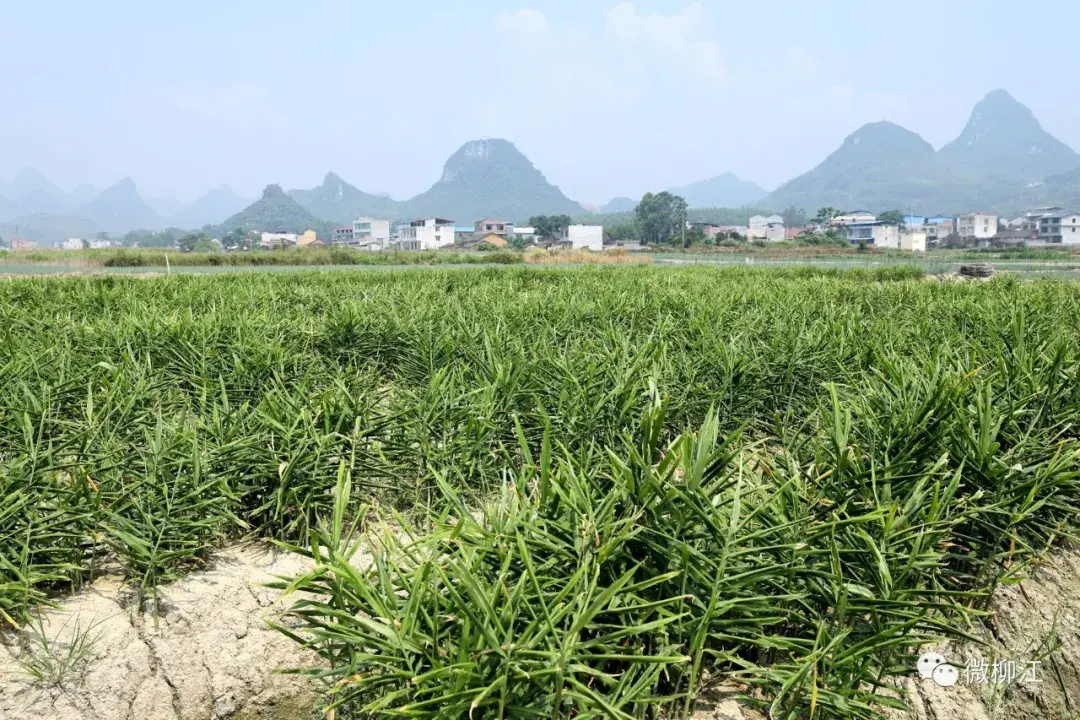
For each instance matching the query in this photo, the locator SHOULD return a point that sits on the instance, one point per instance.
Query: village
(1042, 226)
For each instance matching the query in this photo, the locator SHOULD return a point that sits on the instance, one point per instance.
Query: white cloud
(656, 100)
(669, 37)
(524, 25)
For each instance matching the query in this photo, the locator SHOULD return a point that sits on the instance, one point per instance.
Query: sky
(606, 98)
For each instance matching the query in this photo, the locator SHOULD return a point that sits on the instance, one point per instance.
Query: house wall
(586, 237)
(886, 236)
(365, 229)
(915, 241)
(1070, 229)
(977, 225)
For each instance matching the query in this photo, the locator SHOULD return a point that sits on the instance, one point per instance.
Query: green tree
(188, 242)
(207, 244)
(549, 226)
(131, 239)
(659, 217)
(103, 236)
(794, 217)
(622, 232)
(825, 215)
(517, 242)
(893, 217)
(235, 239)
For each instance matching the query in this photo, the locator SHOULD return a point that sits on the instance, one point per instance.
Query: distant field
(789, 476)
(293, 257)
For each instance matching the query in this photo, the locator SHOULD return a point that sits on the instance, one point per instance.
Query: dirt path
(212, 655)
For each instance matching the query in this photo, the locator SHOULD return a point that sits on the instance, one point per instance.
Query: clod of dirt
(211, 655)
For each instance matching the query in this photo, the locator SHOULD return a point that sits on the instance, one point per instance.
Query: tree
(825, 215)
(794, 217)
(659, 217)
(235, 239)
(892, 217)
(549, 226)
(517, 242)
(206, 244)
(103, 236)
(189, 241)
(622, 232)
(131, 239)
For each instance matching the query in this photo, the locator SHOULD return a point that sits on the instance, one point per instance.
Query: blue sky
(606, 98)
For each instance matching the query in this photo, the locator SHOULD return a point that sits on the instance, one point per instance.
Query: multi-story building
(1053, 225)
(878, 234)
(856, 217)
(976, 226)
(427, 234)
(499, 227)
(370, 233)
(1070, 228)
(938, 228)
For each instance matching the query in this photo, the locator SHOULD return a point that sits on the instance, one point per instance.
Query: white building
(584, 237)
(1070, 228)
(976, 226)
(913, 240)
(370, 234)
(72, 244)
(427, 234)
(769, 228)
(878, 234)
(527, 234)
(855, 217)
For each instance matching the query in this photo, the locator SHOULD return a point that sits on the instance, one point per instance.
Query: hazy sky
(606, 98)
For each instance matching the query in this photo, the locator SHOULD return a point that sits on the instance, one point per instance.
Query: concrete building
(368, 231)
(72, 244)
(976, 226)
(584, 237)
(308, 238)
(769, 228)
(528, 234)
(878, 234)
(499, 227)
(855, 217)
(938, 228)
(275, 240)
(427, 234)
(1070, 229)
(1053, 225)
(343, 236)
(21, 244)
(913, 240)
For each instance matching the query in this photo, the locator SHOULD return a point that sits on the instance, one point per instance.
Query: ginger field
(590, 492)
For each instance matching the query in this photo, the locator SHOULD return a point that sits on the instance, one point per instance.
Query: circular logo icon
(946, 675)
(927, 663)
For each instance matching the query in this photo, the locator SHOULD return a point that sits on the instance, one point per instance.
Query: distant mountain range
(1003, 161)
(483, 178)
(274, 211)
(725, 191)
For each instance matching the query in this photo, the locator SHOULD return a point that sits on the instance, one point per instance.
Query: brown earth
(212, 655)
